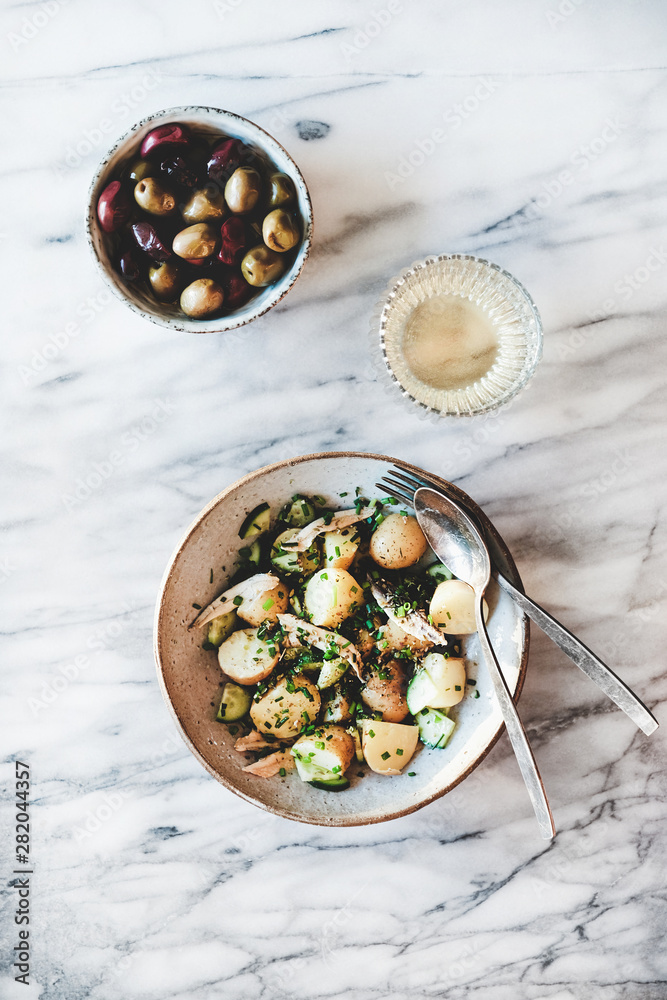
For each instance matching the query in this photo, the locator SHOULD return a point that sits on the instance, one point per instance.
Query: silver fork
(403, 485)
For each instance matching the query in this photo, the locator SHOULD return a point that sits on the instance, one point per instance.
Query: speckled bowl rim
(221, 324)
(379, 323)
(512, 572)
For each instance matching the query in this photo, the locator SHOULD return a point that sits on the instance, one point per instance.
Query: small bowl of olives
(199, 220)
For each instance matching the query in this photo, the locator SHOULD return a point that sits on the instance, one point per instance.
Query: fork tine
(414, 482)
(397, 489)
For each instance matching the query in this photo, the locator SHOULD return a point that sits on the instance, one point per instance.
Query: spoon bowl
(456, 541)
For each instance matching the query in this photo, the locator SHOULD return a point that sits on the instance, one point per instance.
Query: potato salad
(338, 639)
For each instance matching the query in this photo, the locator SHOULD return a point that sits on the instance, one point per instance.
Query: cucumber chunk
(421, 691)
(333, 785)
(221, 628)
(331, 672)
(439, 572)
(291, 561)
(236, 702)
(257, 521)
(299, 512)
(435, 728)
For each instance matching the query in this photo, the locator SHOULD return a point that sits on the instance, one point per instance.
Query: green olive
(242, 190)
(204, 297)
(165, 280)
(281, 190)
(204, 205)
(195, 242)
(262, 266)
(280, 231)
(154, 198)
(140, 170)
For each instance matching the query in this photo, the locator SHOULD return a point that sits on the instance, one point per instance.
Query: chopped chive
(371, 733)
(336, 550)
(476, 693)
(457, 687)
(336, 769)
(399, 752)
(237, 600)
(411, 774)
(448, 615)
(319, 745)
(283, 772)
(197, 606)
(268, 604)
(386, 755)
(471, 682)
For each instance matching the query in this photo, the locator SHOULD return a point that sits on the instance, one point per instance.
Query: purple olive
(148, 240)
(167, 137)
(234, 240)
(225, 157)
(128, 266)
(177, 170)
(113, 207)
(237, 290)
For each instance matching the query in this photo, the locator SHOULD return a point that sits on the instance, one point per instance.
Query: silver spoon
(585, 659)
(458, 544)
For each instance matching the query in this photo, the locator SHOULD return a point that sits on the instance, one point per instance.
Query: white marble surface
(151, 881)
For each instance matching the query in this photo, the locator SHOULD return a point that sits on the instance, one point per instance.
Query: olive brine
(199, 220)
(338, 639)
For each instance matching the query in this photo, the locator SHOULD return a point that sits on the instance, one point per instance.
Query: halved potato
(329, 750)
(245, 658)
(290, 704)
(331, 596)
(448, 674)
(452, 608)
(340, 548)
(385, 690)
(268, 604)
(388, 746)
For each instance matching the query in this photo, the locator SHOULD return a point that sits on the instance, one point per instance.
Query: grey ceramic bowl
(190, 676)
(213, 121)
